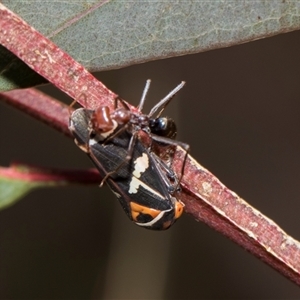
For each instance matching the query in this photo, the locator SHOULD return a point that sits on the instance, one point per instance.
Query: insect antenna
(143, 98)
(161, 105)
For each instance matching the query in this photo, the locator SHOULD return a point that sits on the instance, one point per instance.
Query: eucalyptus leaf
(104, 35)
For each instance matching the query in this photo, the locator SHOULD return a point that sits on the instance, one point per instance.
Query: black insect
(144, 183)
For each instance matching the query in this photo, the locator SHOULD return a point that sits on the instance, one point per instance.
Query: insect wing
(79, 127)
(136, 183)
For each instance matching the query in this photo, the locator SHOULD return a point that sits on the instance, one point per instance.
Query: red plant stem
(208, 200)
(205, 197)
(31, 173)
(40, 106)
(44, 57)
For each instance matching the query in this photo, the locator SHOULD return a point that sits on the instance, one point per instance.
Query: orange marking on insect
(136, 209)
(178, 209)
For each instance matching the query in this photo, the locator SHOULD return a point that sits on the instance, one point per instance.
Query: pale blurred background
(239, 111)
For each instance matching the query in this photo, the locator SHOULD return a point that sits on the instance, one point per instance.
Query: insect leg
(171, 142)
(127, 159)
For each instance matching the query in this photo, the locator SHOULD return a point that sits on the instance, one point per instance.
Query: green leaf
(12, 190)
(104, 35)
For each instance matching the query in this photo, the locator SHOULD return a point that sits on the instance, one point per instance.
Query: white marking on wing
(108, 133)
(101, 137)
(141, 165)
(92, 142)
(135, 185)
(159, 216)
